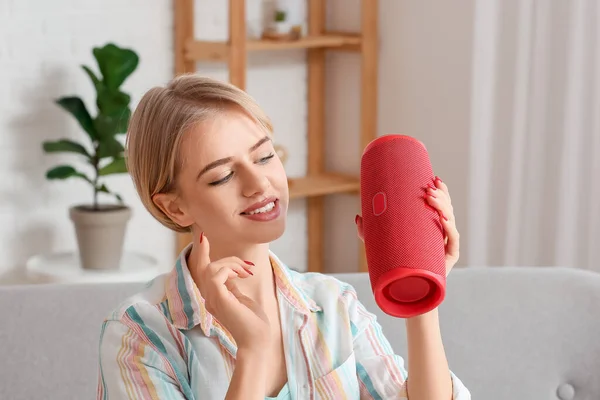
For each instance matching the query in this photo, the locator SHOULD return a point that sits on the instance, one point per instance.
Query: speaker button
(379, 203)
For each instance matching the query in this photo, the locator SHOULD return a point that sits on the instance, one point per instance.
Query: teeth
(264, 209)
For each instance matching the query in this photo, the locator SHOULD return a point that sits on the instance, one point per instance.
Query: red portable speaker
(403, 235)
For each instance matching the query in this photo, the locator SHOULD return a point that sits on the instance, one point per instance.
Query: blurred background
(504, 94)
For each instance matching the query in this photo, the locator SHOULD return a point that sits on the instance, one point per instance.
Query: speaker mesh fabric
(409, 233)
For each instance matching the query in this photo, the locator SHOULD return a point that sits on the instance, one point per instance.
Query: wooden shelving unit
(318, 182)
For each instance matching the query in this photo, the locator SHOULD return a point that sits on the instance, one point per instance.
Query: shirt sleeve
(130, 367)
(381, 373)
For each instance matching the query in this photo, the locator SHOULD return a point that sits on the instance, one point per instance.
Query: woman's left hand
(438, 197)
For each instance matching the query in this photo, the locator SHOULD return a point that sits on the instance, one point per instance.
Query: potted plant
(282, 25)
(99, 226)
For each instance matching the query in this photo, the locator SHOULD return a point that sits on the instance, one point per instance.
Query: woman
(231, 320)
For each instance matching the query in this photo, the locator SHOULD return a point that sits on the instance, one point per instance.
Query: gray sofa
(510, 333)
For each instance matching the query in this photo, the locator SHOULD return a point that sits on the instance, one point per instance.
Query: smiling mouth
(262, 210)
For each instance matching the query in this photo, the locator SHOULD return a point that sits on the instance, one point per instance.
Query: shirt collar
(186, 304)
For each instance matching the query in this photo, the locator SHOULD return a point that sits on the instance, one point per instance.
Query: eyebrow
(226, 160)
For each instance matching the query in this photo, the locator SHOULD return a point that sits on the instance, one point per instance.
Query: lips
(259, 204)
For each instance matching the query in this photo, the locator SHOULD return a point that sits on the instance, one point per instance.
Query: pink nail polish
(249, 262)
(201, 237)
(248, 271)
(356, 220)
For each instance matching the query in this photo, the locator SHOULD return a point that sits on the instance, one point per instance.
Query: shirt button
(565, 392)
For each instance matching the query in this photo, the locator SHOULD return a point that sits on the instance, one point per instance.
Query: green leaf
(280, 16)
(117, 166)
(76, 107)
(109, 147)
(65, 172)
(123, 121)
(103, 189)
(95, 80)
(115, 64)
(65, 145)
(61, 172)
(113, 103)
(108, 126)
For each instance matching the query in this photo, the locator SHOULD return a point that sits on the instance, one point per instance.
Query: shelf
(323, 184)
(199, 50)
(325, 41)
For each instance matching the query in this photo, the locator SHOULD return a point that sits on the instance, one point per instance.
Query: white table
(65, 267)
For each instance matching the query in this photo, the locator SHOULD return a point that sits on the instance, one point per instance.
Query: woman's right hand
(240, 315)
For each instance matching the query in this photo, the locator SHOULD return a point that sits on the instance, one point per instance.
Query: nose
(254, 182)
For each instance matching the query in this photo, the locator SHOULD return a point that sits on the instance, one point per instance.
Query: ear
(171, 205)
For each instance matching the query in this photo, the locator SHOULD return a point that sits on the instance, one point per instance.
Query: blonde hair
(162, 118)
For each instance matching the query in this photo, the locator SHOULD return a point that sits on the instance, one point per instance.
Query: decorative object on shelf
(100, 227)
(65, 267)
(286, 25)
(282, 25)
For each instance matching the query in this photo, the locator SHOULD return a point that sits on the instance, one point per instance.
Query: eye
(266, 159)
(221, 181)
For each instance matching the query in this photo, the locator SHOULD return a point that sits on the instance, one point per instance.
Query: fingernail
(430, 185)
(356, 220)
(431, 195)
(249, 262)
(443, 216)
(248, 271)
(437, 178)
(201, 237)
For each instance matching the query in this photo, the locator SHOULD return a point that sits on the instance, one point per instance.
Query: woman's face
(232, 186)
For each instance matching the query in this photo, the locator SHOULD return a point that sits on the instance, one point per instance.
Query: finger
(437, 193)
(359, 227)
(203, 251)
(219, 279)
(237, 260)
(241, 270)
(223, 279)
(453, 242)
(442, 186)
(440, 203)
(223, 275)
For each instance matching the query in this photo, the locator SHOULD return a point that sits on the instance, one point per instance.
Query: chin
(269, 232)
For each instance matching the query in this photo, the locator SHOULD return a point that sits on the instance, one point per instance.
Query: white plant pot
(100, 235)
(282, 27)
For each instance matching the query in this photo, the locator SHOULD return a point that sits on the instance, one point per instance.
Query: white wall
(42, 45)
(424, 92)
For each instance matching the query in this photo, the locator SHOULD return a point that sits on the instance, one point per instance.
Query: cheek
(196, 200)
(214, 203)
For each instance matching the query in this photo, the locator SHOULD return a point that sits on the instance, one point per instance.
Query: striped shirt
(163, 344)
